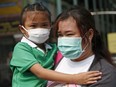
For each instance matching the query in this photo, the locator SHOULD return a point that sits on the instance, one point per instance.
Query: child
(33, 57)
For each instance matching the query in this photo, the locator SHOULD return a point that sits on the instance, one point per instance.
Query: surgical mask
(70, 47)
(38, 35)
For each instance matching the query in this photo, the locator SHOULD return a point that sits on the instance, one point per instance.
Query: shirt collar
(47, 46)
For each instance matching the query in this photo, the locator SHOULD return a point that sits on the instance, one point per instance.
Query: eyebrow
(34, 22)
(67, 31)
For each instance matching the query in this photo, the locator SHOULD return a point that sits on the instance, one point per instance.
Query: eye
(33, 26)
(69, 34)
(45, 25)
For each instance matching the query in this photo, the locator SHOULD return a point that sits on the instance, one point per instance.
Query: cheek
(49, 26)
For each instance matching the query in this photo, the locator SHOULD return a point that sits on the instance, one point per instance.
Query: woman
(82, 48)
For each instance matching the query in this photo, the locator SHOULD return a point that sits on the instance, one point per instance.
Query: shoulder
(106, 66)
(103, 65)
(22, 46)
(101, 62)
(108, 73)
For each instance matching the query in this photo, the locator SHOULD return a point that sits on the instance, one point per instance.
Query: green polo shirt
(25, 56)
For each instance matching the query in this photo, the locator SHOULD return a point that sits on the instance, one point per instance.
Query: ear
(21, 29)
(91, 33)
(24, 32)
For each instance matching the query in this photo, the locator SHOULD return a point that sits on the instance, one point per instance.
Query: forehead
(67, 21)
(67, 24)
(36, 16)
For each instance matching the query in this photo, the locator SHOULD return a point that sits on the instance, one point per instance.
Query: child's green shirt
(25, 56)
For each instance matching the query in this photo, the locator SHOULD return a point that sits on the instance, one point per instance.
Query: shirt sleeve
(23, 57)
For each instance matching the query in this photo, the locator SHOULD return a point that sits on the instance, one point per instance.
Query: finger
(92, 72)
(95, 74)
(94, 78)
(91, 82)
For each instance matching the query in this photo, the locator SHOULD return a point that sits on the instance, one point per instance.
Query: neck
(42, 46)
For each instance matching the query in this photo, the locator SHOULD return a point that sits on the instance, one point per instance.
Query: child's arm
(82, 78)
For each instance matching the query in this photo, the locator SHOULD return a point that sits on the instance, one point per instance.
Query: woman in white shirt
(82, 48)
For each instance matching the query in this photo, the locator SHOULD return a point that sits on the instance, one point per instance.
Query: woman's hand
(87, 77)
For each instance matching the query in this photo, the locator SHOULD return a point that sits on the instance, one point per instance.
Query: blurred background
(104, 12)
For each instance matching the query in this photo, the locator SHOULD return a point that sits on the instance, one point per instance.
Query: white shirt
(71, 67)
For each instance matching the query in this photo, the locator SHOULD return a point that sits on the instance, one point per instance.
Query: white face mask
(38, 35)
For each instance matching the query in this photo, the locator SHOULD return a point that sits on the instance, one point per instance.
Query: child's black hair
(34, 7)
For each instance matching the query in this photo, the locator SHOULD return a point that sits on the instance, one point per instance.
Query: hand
(87, 77)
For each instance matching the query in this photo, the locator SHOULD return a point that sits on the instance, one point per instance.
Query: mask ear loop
(24, 28)
(86, 45)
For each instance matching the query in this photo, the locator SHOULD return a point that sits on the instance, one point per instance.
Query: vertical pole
(96, 16)
(75, 2)
(102, 16)
(113, 23)
(107, 16)
(103, 29)
(107, 20)
(59, 6)
(86, 4)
